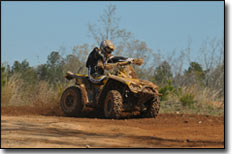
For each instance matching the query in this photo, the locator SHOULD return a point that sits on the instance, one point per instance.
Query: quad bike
(121, 91)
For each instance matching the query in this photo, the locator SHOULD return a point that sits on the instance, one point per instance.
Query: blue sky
(31, 30)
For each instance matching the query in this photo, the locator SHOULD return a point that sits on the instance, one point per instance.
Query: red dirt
(24, 127)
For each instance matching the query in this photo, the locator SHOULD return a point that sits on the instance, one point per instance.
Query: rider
(99, 57)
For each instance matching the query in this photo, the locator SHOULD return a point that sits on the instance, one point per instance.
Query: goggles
(108, 50)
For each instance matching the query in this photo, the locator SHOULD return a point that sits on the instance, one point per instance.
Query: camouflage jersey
(95, 64)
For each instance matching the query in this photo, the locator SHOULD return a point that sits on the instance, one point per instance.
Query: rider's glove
(130, 60)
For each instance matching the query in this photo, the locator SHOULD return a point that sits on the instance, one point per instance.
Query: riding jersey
(95, 64)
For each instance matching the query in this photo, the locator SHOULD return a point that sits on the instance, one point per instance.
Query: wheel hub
(69, 100)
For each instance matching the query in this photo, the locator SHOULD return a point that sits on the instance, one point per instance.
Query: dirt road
(166, 131)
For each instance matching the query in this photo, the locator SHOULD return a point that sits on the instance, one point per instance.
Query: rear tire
(71, 102)
(153, 107)
(113, 104)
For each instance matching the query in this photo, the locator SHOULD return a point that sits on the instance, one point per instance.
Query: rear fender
(69, 75)
(84, 95)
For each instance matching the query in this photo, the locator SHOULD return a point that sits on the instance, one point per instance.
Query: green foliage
(54, 59)
(166, 90)
(43, 72)
(20, 67)
(3, 76)
(53, 70)
(187, 100)
(195, 69)
(163, 73)
(56, 66)
(28, 73)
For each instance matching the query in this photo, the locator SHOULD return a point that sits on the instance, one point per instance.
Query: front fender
(136, 85)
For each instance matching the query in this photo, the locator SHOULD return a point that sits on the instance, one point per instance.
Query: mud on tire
(71, 102)
(153, 107)
(113, 104)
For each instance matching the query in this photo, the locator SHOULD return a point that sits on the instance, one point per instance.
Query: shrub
(187, 100)
(166, 90)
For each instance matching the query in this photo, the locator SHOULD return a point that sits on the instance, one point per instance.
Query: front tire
(71, 102)
(152, 108)
(113, 104)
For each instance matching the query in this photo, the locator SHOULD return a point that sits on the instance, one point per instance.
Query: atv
(120, 92)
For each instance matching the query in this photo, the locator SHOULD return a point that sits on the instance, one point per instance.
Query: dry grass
(44, 99)
(41, 98)
(206, 101)
(12, 91)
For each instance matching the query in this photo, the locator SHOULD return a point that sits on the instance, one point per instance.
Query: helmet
(107, 46)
